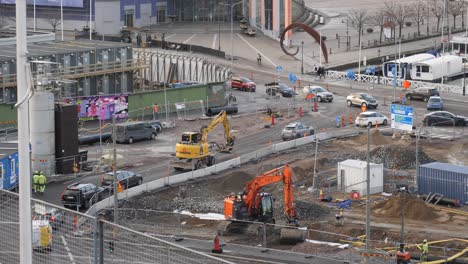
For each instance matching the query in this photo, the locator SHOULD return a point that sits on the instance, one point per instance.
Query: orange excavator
(257, 206)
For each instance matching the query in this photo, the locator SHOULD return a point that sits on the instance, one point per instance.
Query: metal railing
(61, 235)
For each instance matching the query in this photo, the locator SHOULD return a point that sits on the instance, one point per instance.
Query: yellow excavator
(193, 151)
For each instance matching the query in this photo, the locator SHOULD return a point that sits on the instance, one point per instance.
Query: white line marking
(263, 55)
(170, 36)
(187, 40)
(68, 249)
(214, 41)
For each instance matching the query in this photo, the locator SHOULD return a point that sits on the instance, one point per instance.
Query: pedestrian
(42, 182)
(36, 181)
(315, 69)
(425, 251)
(138, 38)
(319, 72)
(163, 40)
(155, 110)
(148, 40)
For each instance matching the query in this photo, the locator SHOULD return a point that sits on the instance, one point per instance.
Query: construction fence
(60, 235)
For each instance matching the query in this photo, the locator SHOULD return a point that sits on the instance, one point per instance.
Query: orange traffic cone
(216, 247)
(300, 111)
(376, 125)
(272, 119)
(321, 196)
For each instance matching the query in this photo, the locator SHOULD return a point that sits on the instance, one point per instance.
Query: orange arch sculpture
(312, 32)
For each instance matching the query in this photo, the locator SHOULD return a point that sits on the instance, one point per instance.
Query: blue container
(8, 166)
(447, 179)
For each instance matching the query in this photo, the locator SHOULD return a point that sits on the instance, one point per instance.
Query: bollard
(300, 111)
(315, 106)
(384, 101)
(272, 119)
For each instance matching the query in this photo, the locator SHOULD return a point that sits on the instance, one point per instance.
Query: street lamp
(302, 58)
(232, 21)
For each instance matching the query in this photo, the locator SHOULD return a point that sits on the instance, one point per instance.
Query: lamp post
(232, 30)
(61, 16)
(302, 58)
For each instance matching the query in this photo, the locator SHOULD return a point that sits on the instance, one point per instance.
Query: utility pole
(25, 224)
(368, 191)
(91, 19)
(61, 16)
(114, 146)
(314, 179)
(302, 59)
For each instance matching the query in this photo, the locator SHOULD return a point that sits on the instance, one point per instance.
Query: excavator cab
(265, 208)
(191, 137)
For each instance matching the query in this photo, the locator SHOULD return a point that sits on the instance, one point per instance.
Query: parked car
(55, 216)
(80, 194)
(422, 93)
(361, 99)
(296, 130)
(371, 119)
(281, 88)
(243, 84)
(444, 118)
(322, 94)
(127, 179)
(132, 131)
(435, 103)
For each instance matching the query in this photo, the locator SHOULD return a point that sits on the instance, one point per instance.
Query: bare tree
(54, 22)
(378, 20)
(400, 12)
(455, 8)
(359, 19)
(437, 9)
(418, 14)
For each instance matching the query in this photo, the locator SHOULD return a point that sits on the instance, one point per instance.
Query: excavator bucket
(292, 236)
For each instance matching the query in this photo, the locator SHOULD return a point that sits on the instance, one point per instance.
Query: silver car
(322, 94)
(296, 130)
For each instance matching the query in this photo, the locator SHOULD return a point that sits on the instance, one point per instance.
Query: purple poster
(102, 107)
(66, 3)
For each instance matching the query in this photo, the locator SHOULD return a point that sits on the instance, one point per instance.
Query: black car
(422, 93)
(444, 118)
(281, 88)
(80, 194)
(127, 179)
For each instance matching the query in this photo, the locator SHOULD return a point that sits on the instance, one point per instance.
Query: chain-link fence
(60, 235)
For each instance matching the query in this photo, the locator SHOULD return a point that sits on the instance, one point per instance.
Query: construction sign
(406, 84)
(363, 108)
(119, 187)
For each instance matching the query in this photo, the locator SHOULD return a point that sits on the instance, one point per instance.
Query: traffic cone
(315, 106)
(300, 111)
(376, 125)
(272, 119)
(321, 196)
(350, 119)
(216, 247)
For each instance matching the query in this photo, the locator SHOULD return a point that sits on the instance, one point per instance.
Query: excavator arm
(253, 187)
(220, 118)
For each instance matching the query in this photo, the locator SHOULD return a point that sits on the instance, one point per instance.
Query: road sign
(279, 68)
(402, 117)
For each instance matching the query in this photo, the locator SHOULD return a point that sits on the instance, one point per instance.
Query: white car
(371, 119)
(322, 94)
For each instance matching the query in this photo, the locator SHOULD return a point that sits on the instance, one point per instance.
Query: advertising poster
(102, 107)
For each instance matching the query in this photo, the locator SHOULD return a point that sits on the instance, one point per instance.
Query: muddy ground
(207, 195)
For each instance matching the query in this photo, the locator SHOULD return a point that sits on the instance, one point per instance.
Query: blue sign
(337, 119)
(279, 68)
(370, 70)
(66, 3)
(402, 117)
(350, 75)
(292, 77)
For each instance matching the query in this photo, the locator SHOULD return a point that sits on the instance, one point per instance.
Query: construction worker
(425, 250)
(340, 218)
(36, 181)
(42, 182)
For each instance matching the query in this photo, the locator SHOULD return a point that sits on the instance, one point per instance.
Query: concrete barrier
(219, 167)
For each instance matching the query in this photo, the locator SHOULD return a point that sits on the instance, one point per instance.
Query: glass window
(1, 172)
(243, 79)
(425, 69)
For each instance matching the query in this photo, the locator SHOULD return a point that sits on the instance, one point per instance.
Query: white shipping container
(352, 175)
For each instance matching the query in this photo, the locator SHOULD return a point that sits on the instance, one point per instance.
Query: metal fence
(60, 235)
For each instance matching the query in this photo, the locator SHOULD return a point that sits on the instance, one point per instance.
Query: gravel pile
(400, 157)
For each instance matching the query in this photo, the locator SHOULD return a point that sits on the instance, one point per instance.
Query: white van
(41, 235)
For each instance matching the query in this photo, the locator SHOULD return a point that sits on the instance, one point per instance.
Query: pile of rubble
(413, 207)
(398, 156)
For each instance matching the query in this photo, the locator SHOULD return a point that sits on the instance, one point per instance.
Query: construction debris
(413, 208)
(398, 157)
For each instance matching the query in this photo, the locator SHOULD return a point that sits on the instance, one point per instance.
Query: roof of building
(7, 149)
(446, 167)
(356, 163)
(440, 60)
(415, 58)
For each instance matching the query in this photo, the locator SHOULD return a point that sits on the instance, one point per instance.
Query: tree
(455, 8)
(54, 22)
(437, 9)
(378, 20)
(359, 19)
(399, 12)
(418, 14)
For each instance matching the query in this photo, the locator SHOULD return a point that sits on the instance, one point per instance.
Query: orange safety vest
(155, 108)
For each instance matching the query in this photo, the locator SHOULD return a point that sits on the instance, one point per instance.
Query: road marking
(68, 249)
(187, 40)
(214, 41)
(263, 55)
(170, 36)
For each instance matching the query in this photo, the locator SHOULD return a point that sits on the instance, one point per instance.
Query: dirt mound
(398, 156)
(376, 138)
(414, 208)
(232, 182)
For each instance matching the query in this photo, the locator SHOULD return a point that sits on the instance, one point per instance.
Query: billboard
(102, 107)
(66, 3)
(402, 117)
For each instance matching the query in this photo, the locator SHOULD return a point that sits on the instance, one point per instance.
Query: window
(13, 166)
(1, 172)
(425, 68)
(128, 20)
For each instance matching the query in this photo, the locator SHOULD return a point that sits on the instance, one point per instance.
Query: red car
(243, 84)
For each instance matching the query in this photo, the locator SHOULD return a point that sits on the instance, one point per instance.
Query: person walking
(138, 38)
(42, 182)
(148, 40)
(36, 181)
(425, 250)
